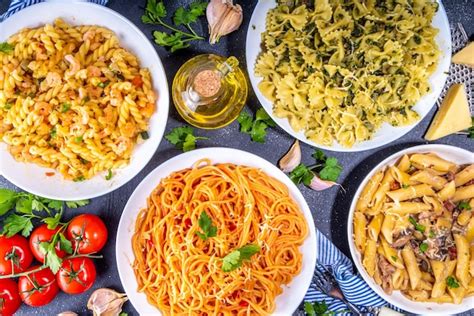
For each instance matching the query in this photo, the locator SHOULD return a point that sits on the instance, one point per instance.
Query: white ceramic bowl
(293, 293)
(451, 153)
(386, 133)
(31, 177)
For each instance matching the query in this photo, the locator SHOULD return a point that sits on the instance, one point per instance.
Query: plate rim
(445, 58)
(124, 264)
(421, 307)
(164, 98)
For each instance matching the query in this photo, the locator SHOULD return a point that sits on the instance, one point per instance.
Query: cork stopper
(207, 83)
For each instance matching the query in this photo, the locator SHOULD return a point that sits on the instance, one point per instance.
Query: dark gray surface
(329, 207)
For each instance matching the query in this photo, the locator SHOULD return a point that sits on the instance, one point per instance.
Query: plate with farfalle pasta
(411, 229)
(348, 75)
(83, 100)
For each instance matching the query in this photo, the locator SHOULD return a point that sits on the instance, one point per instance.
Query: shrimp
(94, 71)
(129, 130)
(43, 108)
(123, 145)
(53, 79)
(74, 65)
(148, 109)
(116, 97)
(89, 35)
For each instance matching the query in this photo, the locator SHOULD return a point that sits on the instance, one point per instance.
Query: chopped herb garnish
(235, 259)
(405, 186)
(78, 139)
(418, 227)
(394, 258)
(8, 106)
(205, 223)
(423, 247)
(301, 174)
(109, 175)
(432, 234)
(464, 206)
(451, 282)
(79, 179)
(53, 132)
(65, 107)
(103, 84)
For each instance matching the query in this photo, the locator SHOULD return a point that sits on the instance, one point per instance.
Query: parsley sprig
(255, 128)
(235, 259)
(205, 223)
(418, 227)
(183, 138)
(464, 206)
(155, 12)
(327, 168)
(26, 207)
(51, 259)
(319, 309)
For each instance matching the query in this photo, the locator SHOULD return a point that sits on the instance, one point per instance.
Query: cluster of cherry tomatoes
(87, 234)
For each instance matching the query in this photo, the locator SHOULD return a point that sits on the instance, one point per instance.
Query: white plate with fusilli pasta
(348, 76)
(83, 100)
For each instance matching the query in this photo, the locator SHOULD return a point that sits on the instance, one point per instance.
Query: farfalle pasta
(72, 99)
(338, 70)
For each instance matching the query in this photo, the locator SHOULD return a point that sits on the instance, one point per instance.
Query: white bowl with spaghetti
(293, 293)
(456, 155)
(386, 133)
(38, 180)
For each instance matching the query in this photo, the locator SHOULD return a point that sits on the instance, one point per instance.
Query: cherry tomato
(87, 233)
(38, 288)
(10, 300)
(15, 255)
(40, 234)
(76, 275)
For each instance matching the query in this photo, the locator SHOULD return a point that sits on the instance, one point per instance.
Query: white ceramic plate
(31, 177)
(386, 133)
(293, 293)
(451, 153)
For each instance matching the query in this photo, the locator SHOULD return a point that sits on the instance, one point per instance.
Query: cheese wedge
(465, 56)
(453, 115)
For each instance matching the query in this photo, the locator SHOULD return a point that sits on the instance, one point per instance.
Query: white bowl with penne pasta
(411, 229)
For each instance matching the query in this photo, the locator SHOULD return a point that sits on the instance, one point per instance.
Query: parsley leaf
(76, 204)
(205, 223)
(155, 12)
(235, 259)
(464, 206)
(14, 224)
(255, 128)
(317, 309)
(53, 222)
(301, 174)
(451, 282)
(6, 47)
(51, 259)
(331, 170)
(109, 175)
(183, 138)
(65, 107)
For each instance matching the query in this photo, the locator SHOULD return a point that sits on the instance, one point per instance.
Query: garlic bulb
(223, 17)
(292, 158)
(106, 302)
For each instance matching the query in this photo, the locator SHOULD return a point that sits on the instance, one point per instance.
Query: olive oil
(209, 91)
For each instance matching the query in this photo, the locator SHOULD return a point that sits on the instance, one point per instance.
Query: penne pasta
(434, 161)
(411, 210)
(411, 192)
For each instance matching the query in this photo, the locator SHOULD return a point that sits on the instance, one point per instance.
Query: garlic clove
(318, 184)
(106, 302)
(292, 158)
(223, 18)
(67, 313)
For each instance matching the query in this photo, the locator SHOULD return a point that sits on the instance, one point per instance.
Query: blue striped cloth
(17, 5)
(352, 285)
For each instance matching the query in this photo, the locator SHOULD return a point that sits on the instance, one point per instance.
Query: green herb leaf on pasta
(205, 223)
(6, 48)
(235, 259)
